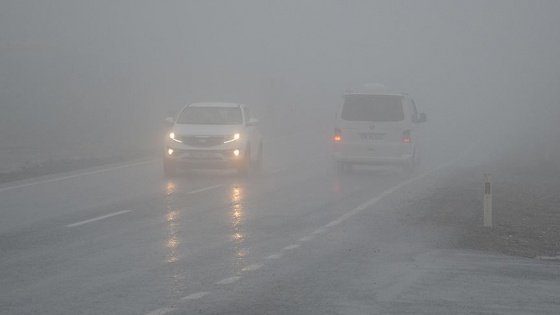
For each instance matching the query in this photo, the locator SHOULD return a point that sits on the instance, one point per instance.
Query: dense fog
(104, 73)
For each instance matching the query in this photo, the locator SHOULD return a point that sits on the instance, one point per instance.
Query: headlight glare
(174, 137)
(232, 138)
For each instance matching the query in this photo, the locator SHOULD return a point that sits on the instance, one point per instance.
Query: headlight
(232, 138)
(173, 137)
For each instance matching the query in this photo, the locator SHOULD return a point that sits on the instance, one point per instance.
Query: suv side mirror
(169, 121)
(171, 113)
(253, 122)
(422, 118)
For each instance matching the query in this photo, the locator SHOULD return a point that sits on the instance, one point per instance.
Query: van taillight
(406, 136)
(337, 135)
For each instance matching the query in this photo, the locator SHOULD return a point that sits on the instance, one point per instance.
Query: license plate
(201, 155)
(372, 136)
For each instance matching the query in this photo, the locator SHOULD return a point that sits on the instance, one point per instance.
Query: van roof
(214, 104)
(373, 89)
(373, 93)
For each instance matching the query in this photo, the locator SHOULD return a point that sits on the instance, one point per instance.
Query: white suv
(377, 128)
(213, 135)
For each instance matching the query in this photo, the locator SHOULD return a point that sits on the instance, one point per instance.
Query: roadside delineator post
(487, 222)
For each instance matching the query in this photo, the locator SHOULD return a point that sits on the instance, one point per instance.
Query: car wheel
(342, 167)
(410, 166)
(245, 166)
(169, 167)
(258, 166)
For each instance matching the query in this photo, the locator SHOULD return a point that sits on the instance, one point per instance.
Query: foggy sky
(102, 68)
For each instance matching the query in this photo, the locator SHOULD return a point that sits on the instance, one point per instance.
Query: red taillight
(406, 136)
(337, 135)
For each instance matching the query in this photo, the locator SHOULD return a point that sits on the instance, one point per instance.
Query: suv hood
(206, 130)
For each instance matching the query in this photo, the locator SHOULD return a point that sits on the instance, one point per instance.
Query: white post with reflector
(487, 221)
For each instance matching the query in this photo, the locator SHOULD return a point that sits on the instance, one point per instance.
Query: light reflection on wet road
(237, 213)
(188, 239)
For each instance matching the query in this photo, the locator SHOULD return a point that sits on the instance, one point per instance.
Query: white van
(375, 127)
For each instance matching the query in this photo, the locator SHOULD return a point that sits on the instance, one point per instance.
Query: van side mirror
(422, 118)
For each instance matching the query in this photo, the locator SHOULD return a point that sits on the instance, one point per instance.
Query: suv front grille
(202, 141)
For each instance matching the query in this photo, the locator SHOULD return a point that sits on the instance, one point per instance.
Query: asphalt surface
(299, 239)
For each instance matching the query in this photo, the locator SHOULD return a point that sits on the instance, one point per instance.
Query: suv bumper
(205, 158)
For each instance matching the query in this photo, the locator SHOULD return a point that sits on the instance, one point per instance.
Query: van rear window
(377, 108)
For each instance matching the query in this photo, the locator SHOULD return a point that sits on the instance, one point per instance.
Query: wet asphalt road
(298, 240)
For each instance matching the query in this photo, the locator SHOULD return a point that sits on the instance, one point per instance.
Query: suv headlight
(174, 137)
(232, 138)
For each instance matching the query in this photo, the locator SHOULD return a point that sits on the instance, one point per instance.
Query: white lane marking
(548, 257)
(204, 189)
(228, 280)
(389, 191)
(253, 267)
(290, 247)
(313, 234)
(98, 218)
(318, 231)
(161, 311)
(274, 256)
(74, 176)
(307, 238)
(196, 296)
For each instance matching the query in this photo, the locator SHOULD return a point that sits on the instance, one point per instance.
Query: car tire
(258, 164)
(169, 168)
(342, 167)
(410, 166)
(245, 167)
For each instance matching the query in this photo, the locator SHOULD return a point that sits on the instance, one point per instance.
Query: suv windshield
(211, 116)
(372, 108)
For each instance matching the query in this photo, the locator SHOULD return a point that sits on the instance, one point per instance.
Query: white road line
(307, 238)
(318, 231)
(195, 296)
(290, 247)
(386, 295)
(98, 218)
(161, 311)
(548, 257)
(74, 176)
(389, 191)
(204, 189)
(274, 256)
(228, 280)
(253, 267)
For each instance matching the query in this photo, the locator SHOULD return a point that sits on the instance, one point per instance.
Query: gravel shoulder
(526, 210)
